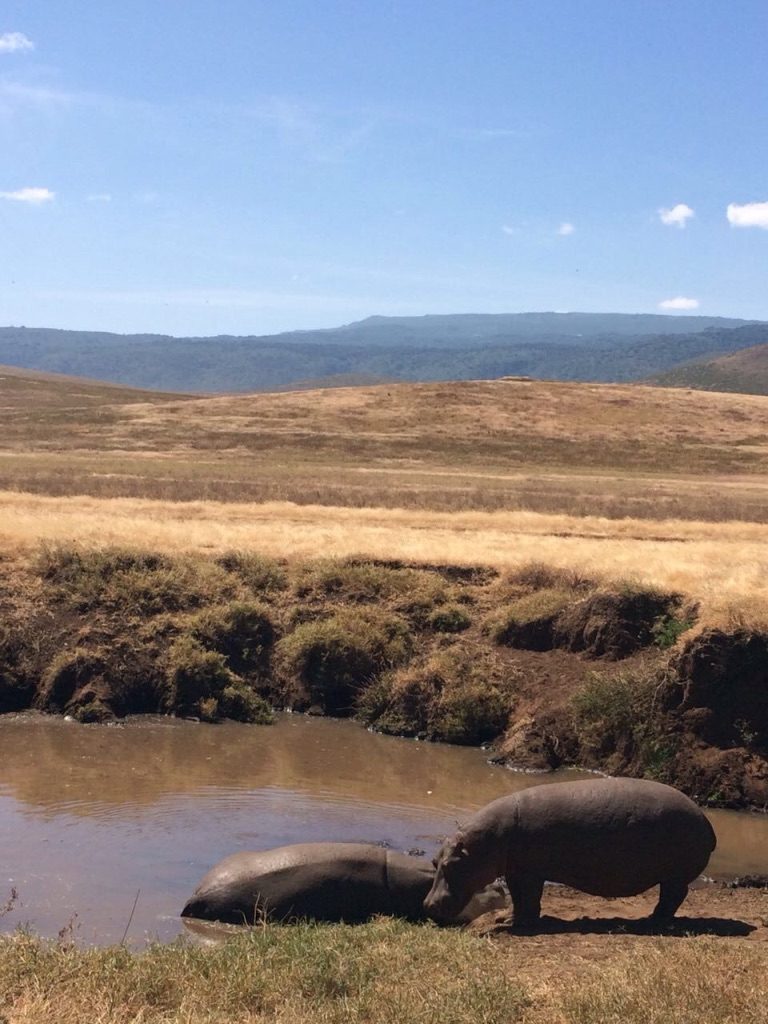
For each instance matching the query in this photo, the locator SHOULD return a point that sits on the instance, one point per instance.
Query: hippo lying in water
(606, 837)
(324, 882)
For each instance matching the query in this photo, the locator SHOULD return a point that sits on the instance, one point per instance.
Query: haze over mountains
(560, 346)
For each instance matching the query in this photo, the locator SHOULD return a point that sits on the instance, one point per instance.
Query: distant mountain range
(560, 346)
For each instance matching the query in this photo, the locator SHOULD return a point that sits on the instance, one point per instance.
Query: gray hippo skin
(606, 837)
(320, 881)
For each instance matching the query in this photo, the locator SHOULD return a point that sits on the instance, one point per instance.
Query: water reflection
(89, 815)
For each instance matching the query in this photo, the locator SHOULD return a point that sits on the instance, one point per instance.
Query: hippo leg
(671, 895)
(525, 891)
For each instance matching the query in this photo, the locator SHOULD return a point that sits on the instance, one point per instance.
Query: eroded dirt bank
(547, 667)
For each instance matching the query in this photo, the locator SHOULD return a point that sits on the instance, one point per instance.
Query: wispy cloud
(508, 229)
(99, 197)
(218, 298)
(318, 133)
(749, 215)
(676, 216)
(14, 42)
(32, 196)
(566, 228)
(37, 94)
(679, 302)
(503, 133)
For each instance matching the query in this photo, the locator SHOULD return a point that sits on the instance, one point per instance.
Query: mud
(578, 930)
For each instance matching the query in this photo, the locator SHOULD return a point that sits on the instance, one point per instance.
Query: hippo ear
(458, 847)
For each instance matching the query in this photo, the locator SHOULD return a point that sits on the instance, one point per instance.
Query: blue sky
(245, 167)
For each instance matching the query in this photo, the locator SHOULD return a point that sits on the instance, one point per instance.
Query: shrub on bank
(459, 695)
(452, 618)
(136, 583)
(241, 631)
(413, 593)
(529, 622)
(618, 723)
(326, 662)
(262, 576)
(193, 675)
(200, 684)
(239, 702)
(70, 671)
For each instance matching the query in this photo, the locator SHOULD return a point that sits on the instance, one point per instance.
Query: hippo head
(211, 906)
(455, 881)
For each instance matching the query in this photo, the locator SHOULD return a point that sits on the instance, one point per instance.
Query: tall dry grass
(723, 565)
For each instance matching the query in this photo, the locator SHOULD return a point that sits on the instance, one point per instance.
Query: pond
(92, 815)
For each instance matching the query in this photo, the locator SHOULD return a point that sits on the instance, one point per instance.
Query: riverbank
(548, 666)
(711, 968)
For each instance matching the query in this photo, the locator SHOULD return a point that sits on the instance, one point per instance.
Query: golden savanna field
(660, 485)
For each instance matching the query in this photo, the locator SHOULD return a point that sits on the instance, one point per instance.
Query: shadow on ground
(681, 926)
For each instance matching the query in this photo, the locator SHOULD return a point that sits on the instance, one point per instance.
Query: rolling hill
(744, 371)
(608, 449)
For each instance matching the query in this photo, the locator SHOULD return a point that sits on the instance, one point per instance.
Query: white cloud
(508, 229)
(679, 302)
(33, 196)
(676, 216)
(100, 197)
(750, 215)
(12, 42)
(566, 228)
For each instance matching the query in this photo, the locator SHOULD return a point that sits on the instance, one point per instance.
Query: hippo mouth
(443, 908)
(195, 908)
(205, 910)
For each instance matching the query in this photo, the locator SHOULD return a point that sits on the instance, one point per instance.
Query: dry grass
(658, 484)
(723, 565)
(383, 973)
(489, 445)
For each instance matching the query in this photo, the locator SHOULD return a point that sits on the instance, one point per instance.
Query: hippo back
(322, 881)
(608, 837)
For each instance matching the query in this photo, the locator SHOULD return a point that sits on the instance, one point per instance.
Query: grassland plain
(613, 450)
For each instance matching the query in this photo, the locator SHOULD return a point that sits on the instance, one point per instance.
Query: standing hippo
(607, 837)
(324, 882)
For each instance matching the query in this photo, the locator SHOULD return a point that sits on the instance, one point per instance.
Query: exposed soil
(577, 929)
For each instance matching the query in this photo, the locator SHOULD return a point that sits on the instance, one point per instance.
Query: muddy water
(91, 815)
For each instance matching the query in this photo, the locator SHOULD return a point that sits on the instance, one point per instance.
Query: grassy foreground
(386, 972)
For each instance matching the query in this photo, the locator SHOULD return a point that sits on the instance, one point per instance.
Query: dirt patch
(721, 688)
(577, 930)
(614, 624)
